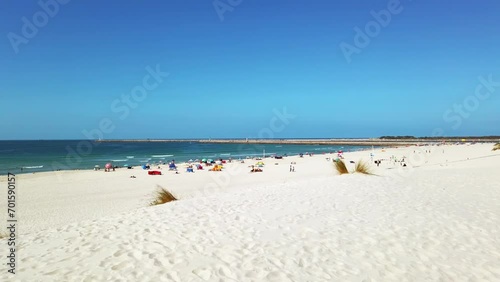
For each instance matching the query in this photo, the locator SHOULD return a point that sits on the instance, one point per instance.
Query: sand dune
(438, 219)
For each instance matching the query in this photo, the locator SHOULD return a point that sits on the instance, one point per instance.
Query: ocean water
(51, 155)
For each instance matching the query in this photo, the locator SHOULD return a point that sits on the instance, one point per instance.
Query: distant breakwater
(353, 142)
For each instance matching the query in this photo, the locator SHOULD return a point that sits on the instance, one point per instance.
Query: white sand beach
(437, 219)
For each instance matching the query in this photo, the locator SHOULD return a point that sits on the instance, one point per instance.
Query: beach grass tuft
(363, 167)
(162, 196)
(341, 167)
(496, 147)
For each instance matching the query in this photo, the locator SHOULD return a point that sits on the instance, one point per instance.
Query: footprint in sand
(203, 273)
(119, 253)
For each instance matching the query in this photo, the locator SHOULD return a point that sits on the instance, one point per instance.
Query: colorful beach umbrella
(109, 165)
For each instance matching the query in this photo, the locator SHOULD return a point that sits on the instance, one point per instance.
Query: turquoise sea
(51, 155)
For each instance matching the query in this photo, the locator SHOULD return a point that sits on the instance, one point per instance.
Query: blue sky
(228, 75)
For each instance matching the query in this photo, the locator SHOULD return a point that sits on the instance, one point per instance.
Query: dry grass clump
(162, 196)
(340, 167)
(362, 167)
(3, 235)
(496, 147)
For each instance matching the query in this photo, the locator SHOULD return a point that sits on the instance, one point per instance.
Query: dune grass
(360, 167)
(363, 167)
(496, 147)
(162, 196)
(340, 167)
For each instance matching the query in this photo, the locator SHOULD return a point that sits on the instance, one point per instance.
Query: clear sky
(337, 68)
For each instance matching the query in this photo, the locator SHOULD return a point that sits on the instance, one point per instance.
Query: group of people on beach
(255, 169)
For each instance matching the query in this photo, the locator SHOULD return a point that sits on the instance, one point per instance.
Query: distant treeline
(440, 138)
(398, 137)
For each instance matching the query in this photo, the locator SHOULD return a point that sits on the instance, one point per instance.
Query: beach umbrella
(109, 165)
(125, 165)
(203, 160)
